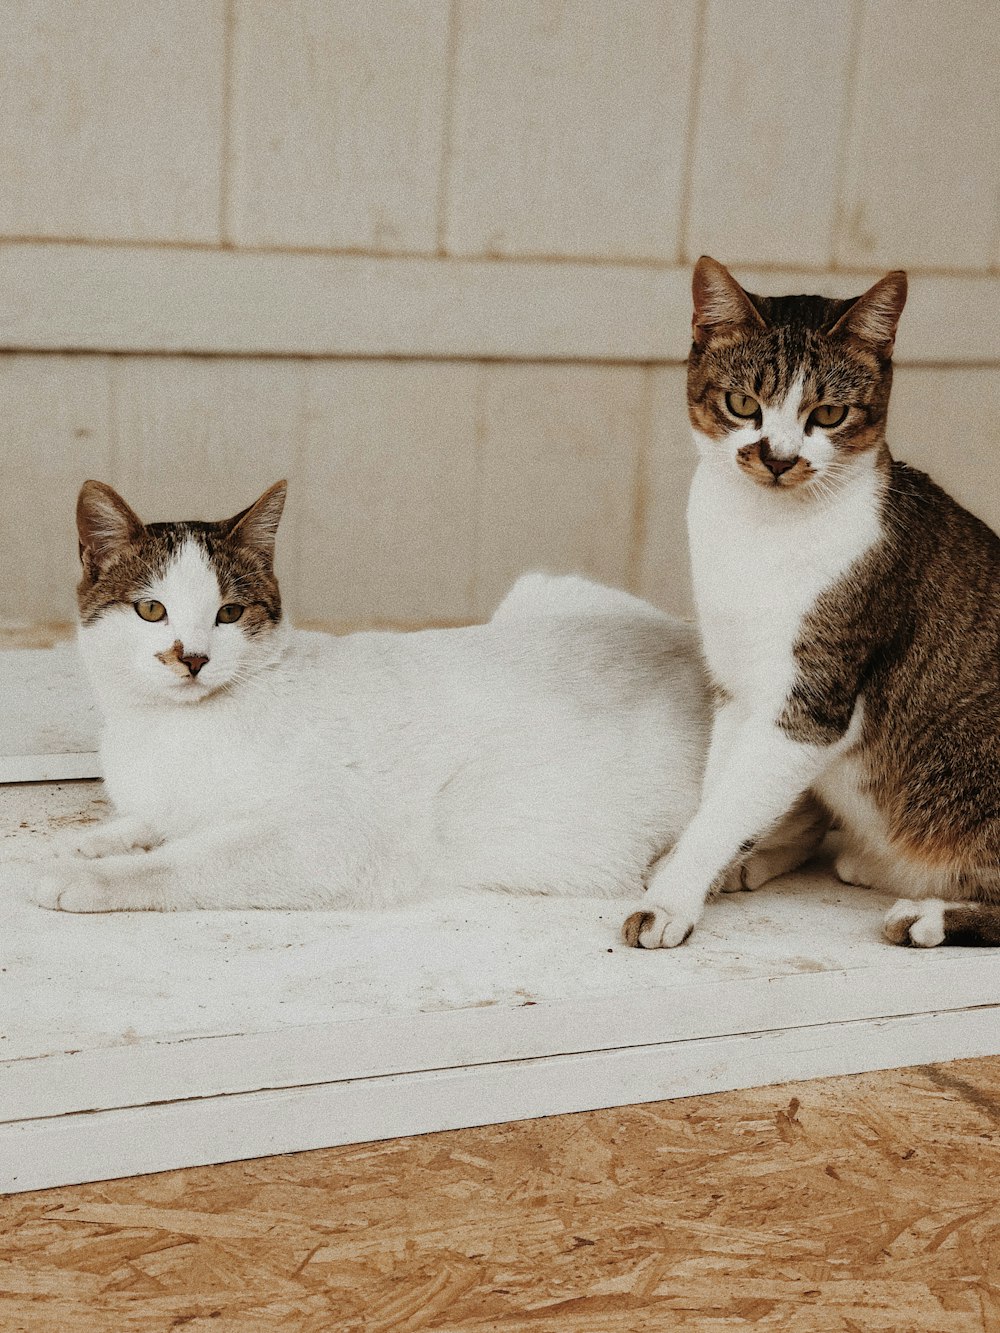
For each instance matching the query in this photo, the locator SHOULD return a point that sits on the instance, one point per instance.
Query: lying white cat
(558, 749)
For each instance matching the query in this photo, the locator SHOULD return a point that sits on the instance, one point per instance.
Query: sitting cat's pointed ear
(873, 317)
(718, 299)
(104, 523)
(256, 527)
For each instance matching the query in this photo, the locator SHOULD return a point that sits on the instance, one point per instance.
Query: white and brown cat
(850, 618)
(558, 749)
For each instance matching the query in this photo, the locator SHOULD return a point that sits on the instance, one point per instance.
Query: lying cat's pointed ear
(257, 526)
(718, 300)
(874, 316)
(104, 524)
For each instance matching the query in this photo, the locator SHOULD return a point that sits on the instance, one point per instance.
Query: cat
(557, 749)
(850, 618)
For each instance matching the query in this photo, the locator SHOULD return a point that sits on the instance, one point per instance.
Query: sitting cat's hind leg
(935, 921)
(791, 842)
(853, 867)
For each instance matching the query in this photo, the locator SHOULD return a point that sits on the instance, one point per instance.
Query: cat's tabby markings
(850, 615)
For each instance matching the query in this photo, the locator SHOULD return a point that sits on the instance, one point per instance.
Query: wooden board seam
(374, 1079)
(127, 1141)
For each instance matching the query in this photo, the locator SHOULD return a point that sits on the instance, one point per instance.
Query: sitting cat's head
(175, 610)
(789, 390)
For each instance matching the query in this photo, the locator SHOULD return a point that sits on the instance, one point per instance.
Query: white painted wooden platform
(139, 1042)
(49, 721)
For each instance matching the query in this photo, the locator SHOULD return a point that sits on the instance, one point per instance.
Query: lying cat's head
(790, 390)
(175, 610)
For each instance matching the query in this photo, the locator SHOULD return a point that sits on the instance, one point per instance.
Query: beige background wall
(430, 260)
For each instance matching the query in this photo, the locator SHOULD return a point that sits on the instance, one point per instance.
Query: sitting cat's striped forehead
(785, 362)
(787, 389)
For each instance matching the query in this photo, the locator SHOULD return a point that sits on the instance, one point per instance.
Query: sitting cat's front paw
(657, 928)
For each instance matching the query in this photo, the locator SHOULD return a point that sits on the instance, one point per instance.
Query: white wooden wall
(430, 261)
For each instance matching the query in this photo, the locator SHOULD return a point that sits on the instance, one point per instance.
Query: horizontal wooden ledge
(179, 1068)
(106, 298)
(103, 1145)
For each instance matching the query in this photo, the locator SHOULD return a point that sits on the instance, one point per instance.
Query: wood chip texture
(857, 1204)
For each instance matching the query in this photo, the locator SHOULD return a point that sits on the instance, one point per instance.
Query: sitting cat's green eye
(149, 610)
(742, 405)
(229, 614)
(827, 415)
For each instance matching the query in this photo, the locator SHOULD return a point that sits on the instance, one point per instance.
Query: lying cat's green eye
(827, 415)
(229, 614)
(151, 610)
(742, 405)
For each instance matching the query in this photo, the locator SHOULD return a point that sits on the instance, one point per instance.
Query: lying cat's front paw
(114, 839)
(657, 928)
(68, 888)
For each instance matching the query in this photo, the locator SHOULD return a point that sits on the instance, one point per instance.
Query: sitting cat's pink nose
(194, 662)
(778, 465)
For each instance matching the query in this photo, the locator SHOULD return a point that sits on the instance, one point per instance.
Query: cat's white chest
(759, 564)
(181, 766)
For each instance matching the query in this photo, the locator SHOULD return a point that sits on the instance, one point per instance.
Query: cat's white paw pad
(919, 924)
(656, 928)
(63, 889)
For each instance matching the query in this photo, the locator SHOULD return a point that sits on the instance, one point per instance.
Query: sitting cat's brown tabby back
(850, 615)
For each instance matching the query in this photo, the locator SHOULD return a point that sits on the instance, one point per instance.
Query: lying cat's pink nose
(194, 662)
(778, 465)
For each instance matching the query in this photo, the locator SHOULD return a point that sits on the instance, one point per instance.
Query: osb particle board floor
(854, 1204)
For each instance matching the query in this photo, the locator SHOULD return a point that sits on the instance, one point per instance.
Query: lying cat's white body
(557, 749)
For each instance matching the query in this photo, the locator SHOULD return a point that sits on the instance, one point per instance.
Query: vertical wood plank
(338, 123)
(56, 434)
(770, 109)
(921, 172)
(569, 127)
(203, 438)
(559, 448)
(668, 466)
(112, 119)
(389, 485)
(947, 423)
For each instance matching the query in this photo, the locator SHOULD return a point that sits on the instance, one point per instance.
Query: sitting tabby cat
(558, 749)
(850, 616)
